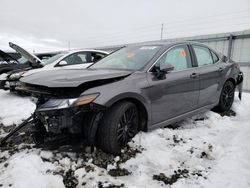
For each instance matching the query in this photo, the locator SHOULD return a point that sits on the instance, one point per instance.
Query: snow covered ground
(205, 151)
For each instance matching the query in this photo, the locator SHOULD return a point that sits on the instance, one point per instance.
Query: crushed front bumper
(68, 120)
(62, 120)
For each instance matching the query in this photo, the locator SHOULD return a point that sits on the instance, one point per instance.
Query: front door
(178, 91)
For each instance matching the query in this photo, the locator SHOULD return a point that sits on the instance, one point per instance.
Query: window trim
(184, 44)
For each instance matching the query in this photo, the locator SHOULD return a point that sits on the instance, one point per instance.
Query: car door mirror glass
(62, 63)
(166, 67)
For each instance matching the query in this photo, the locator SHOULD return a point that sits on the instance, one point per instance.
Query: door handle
(220, 69)
(193, 75)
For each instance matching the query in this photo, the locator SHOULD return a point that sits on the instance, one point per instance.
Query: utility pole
(162, 26)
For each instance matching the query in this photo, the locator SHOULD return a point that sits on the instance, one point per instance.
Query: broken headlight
(53, 104)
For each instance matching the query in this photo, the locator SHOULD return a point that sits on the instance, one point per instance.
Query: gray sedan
(137, 88)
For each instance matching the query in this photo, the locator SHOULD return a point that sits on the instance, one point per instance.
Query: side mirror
(166, 67)
(62, 63)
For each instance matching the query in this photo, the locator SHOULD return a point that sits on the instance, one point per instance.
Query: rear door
(210, 71)
(178, 92)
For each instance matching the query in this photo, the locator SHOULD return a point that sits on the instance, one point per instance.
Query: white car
(77, 59)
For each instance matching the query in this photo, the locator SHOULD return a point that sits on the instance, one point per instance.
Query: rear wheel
(226, 97)
(118, 127)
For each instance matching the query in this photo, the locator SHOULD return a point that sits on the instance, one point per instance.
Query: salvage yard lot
(208, 150)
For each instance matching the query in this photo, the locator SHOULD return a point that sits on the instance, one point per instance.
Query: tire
(226, 97)
(118, 126)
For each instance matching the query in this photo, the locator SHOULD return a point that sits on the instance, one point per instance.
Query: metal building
(235, 45)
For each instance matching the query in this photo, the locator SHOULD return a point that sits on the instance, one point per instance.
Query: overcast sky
(44, 25)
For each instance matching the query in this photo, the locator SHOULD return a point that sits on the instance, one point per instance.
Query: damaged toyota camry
(137, 88)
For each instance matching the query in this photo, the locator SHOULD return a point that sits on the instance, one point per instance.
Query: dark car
(6, 58)
(9, 63)
(137, 88)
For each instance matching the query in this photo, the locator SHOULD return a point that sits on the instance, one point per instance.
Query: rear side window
(215, 57)
(178, 56)
(203, 55)
(96, 56)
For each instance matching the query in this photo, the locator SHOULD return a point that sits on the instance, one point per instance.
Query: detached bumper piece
(240, 84)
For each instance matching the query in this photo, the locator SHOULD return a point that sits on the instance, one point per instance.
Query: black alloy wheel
(227, 97)
(118, 126)
(127, 126)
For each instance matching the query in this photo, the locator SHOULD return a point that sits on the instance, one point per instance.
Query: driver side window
(179, 57)
(77, 58)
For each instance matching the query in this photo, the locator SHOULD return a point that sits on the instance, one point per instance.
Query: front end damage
(58, 121)
(69, 119)
(9, 81)
(66, 115)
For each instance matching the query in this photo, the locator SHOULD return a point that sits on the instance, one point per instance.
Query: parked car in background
(77, 59)
(137, 88)
(27, 60)
(5, 58)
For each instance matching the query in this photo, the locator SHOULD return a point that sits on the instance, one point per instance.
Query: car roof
(84, 50)
(167, 44)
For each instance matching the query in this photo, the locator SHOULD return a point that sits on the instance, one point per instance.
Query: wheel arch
(141, 103)
(231, 80)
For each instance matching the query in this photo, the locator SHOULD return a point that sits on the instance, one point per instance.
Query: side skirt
(181, 117)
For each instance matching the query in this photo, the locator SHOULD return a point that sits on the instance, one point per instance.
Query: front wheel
(118, 127)
(226, 97)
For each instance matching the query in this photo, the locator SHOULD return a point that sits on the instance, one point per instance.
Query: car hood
(6, 57)
(35, 61)
(71, 77)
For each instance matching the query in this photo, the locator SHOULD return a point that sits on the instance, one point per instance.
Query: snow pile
(14, 108)
(207, 150)
(27, 169)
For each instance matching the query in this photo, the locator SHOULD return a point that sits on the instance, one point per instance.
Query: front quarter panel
(132, 87)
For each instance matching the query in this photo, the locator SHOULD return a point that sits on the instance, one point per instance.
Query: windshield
(53, 58)
(22, 60)
(129, 58)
